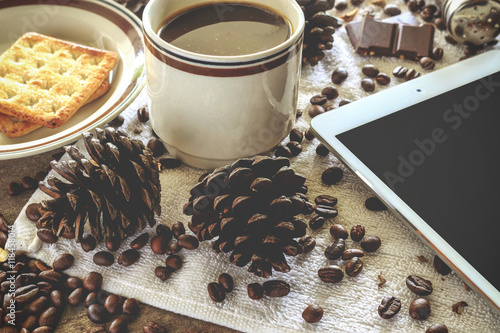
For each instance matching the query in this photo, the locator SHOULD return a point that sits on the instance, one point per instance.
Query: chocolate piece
(375, 37)
(415, 42)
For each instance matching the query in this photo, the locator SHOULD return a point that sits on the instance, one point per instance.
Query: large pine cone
(251, 207)
(116, 191)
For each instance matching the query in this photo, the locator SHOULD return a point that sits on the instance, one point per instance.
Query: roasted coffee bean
(178, 229)
(368, 85)
(226, 281)
(63, 262)
(354, 267)
(26, 294)
(131, 307)
(344, 102)
(276, 288)
(113, 304)
(140, 241)
(437, 328)
(42, 329)
(400, 72)
(313, 313)
(427, 63)
(332, 176)
(370, 70)
(331, 274)
(14, 189)
(117, 122)
(357, 2)
(88, 243)
(143, 114)
(420, 309)
(104, 258)
(296, 135)
(39, 304)
(351, 253)
(164, 231)
(450, 40)
(4, 226)
(334, 251)
(330, 92)
(174, 261)
(318, 100)
(45, 287)
(159, 244)
(255, 291)
(309, 134)
(3, 239)
(57, 298)
(298, 114)
(30, 323)
(371, 243)
(90, 299)
(325, 200)
(40, 175)
(47, 236)
(173, 247)
(440, 266)
(32, 212)
(97, 313)
(357, 232)
(156, 147)
(153, 327)
(188, 242)
(338, 231)
(129, 257)
(48, 317)
(340, 5)
(440, 24)
(119, 325)
(76, 297)
(374, 204)
(29, 183)
(295, 148)
(315, 110)
(322, 150)
(427, 13)
(326, 211)
(216, 292)
(392, 10)
(308, 243)
(383, 79)
(93, 281)
(170, 163)
(411, 74)
(163, 273)
(112, 243)
(419, 285)
(389, 307)
(459, 307)
(283, 151)
(51, 276)
(316, 222)
(339, 75)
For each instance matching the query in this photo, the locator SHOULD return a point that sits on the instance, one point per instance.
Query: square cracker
(14, 127)
(44, 80)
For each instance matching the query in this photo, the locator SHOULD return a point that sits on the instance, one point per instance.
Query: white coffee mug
(211, 110)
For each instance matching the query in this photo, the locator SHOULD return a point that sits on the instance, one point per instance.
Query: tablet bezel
(330, 124)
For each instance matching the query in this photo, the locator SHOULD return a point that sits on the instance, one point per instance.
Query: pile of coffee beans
(373, 73)
(324, 209)
(293, 147)
(218, 290)
(402, 72)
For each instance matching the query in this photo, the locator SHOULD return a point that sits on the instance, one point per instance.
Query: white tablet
(430, 149)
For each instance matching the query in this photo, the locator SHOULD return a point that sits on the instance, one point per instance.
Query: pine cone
(251, 207)
(319, 29)
(135, 6)
(116, 191)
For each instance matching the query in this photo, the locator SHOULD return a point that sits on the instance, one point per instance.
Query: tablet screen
(442, 157)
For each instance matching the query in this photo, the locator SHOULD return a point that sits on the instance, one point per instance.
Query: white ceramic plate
(103, 24)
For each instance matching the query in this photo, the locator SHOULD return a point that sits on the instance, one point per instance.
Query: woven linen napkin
(349, 306)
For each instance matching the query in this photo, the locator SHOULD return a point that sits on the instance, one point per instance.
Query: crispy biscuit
(13, 127)
(44, 80)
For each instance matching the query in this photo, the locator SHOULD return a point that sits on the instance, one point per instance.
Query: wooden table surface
(74, 319)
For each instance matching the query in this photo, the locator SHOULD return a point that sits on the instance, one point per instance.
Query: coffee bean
(188, 242)
(39, 304)
(226, 281)
(153, 327)
(140, 241)
(113, 304)
(334, 251)
(97, 313)
(338, 231)
(313, 313)
(383, 79)
(439, 23)
(420, 4)
(316, 222)
(392, 10)
(326, 211)
(459, 307)
(4, 226)
(129, 257)
(119, 325)
(370, 70)
(14, 189)
(282, 151)
(29, 183)
(318, 100)
(42, 329)
(330, 92)
(91, 299)
(131, 307)
(112, 243)
(170, 163)
(315, 110)
(368, 85)
(163, 273)
(400, 72)
(159, 244)
(296, 135)
(40, 175)
(104, 258)
(331, 274)
(45, 287)
(255, 291)
(48, 317)
(420, 309)
(173, 247)
(308, 243)
(63, 262)
(357, 232)
(32, 212)
(419, 285)
(309, 134)
(411, 74)
(51, 276)
(354, 267)
(371, 243)
(450, 40)
(357, 2)
(295, 148)
(276, 288)
(344, 102)
(332, 176)
(30, 323)
(427, 13)
(340, 5)
(3, 239)
(339, 75)
(326, 200)
(351, 253)
(93, 281)
(143, 115)
(389, 307)
(440, 266)
(437, 328)
(57, 298)
(216, 292)
(322, 150)
(156, 147)
(88, 243)
(164, 231)
(374, 204)
(117, 122)
(427, 63)
(26, 294)
(174, 261)
(178, 229)
(76, 297)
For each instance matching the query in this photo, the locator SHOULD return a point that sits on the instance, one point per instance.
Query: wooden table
(74, 319)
